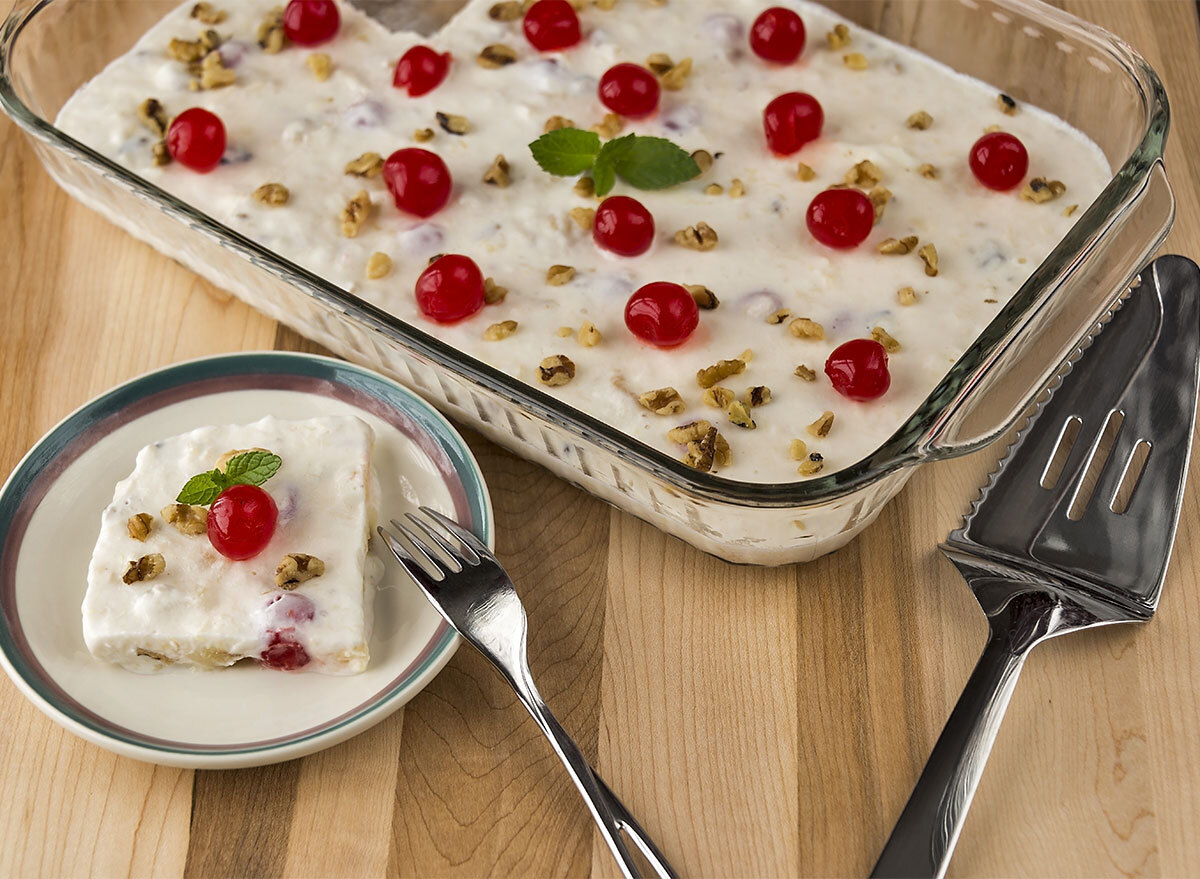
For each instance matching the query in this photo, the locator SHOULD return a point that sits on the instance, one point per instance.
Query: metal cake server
(1066, 535)
(469, 588)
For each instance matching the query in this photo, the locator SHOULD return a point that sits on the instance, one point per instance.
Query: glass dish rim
(907, 446)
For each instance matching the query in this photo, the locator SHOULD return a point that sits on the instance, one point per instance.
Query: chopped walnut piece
(704, 297)
(664, 401)
(557, 275)
(187, 518)
(736, 188)
(213, 72)
(879, 196)
(501, 330)
(746, 356)
(779, 316)
(865, 174)
(423, 135)
(758, 395)
(605, 5)
(496, 55)
(497, 174)
(584, 218)
(565, 332)
(608, 127)
(804, 373)
(270, 34)
(153, 116)
(674, 79)
(558, 369)
(320, 64)
(702, 453)
(139, 525)
(585, 187)
(1070, 209)
(659, 63)
(906, 295)
(146, 568)
(689, 432)
(720, 370)
(928, 171)
(718, 398)
(855, 61)
(589, 336)
(699, 237)
(205, 13)
(436, 257)
(366, 165)
(898, 247)
(452, 123)
(739, 414)
(378, 265)
(798, 449)
(703, 159)
(884, 338)
(160, 154)
(273, 194)
(185, 51)
(714, 189)
(919, 120)
(822, 425)
(508, 11)
(806, 328)
(556, 122)
(805, 172)
(1007, 105)
(355, 213)
(1039, 190)
(992, 128)
(493, 292)
(839, 37)
(296, 568)
(812, 465)
(929, 256)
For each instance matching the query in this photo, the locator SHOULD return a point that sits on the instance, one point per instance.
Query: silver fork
(474, 594)
(1046, 555)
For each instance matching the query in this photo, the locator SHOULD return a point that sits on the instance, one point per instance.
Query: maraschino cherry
(241, 521)
(662, 313)
(418, 180)
(777, 35)
(450, 288)
(792, 120)
(420, 70)
(840, 218)
(629, 90)
(196, 139)
(623, 226)
(858, 369)
(999, 161)
(551, 25)
(311, 22)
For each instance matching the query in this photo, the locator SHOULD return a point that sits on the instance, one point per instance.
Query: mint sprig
(249, 468)
(642, 162)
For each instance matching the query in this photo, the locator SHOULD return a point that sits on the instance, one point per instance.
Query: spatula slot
(1062, 450)
(1095, 465)
(1129, 480)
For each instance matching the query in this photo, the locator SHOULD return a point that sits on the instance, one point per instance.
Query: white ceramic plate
(245, 715)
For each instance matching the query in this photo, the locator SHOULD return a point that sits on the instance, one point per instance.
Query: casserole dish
(1030, 51)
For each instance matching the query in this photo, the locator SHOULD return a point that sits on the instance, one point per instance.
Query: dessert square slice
(159, 593)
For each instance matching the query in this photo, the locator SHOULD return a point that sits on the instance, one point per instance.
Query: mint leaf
(653, 163)
(603, 177)
(566, 151)
(251, 468)
(202, 489)
(605, 169)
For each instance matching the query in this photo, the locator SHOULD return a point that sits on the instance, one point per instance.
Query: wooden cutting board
(760, 722)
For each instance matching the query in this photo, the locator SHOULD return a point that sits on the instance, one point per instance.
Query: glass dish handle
(1031, 354)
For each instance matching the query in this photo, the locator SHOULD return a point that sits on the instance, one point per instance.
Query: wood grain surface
(760, 722)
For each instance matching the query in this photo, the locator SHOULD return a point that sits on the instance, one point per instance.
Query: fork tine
(427, 555)
(410, 564)
(459, 531)
(435, 534)
(465, 538)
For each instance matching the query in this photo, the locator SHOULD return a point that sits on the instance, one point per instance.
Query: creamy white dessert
(287, 125)
(159, 593)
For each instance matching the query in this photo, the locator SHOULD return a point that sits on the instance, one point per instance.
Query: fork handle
(923, 838)
(607, 811)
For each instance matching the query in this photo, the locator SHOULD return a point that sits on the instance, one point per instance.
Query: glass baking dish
(1036, 53)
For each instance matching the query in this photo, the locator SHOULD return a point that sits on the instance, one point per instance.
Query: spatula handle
(924, 837)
